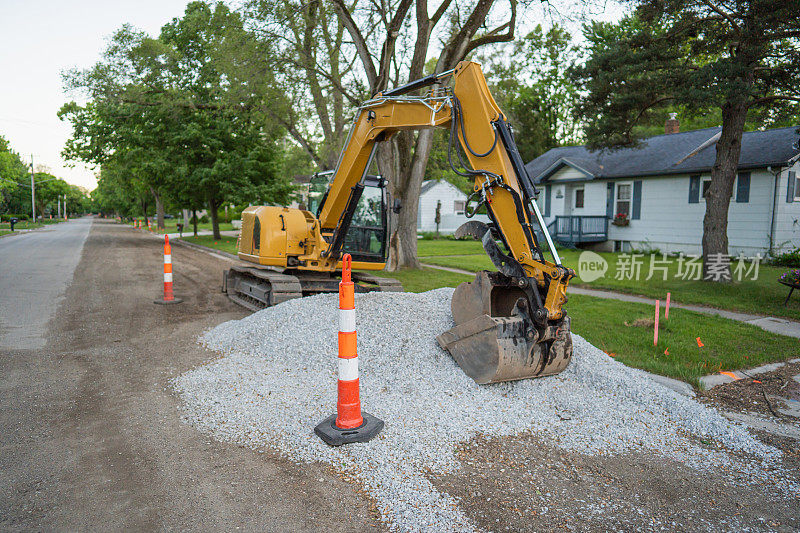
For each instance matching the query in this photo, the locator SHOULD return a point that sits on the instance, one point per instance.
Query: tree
(169, 115)
(470, 26)
(12, 172)
(531, 83)
(742, 58)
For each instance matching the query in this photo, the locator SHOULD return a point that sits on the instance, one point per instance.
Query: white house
(452, 202)
(660, 187)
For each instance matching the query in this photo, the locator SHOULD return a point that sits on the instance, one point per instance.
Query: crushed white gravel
(277, 380)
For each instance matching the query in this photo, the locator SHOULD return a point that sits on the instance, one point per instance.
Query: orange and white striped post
(349, 423)
(169, 298)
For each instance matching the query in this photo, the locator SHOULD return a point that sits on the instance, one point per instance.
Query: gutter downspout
(774, 206)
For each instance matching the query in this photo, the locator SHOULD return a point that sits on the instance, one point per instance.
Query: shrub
(204, 219)
(9, 216)
(790, 258)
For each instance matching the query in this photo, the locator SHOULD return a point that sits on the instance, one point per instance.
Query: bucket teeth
(493, 341)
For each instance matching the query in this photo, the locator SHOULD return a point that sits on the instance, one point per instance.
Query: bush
(790, 258)
(8, 216)
(204, 219)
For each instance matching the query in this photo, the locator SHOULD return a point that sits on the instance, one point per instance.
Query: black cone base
(334, 436)
(168, 302)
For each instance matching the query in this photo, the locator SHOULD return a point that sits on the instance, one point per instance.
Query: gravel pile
(277, 380)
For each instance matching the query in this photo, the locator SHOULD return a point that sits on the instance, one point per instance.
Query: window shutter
(694, 189)
(790, 187)
(636, 207)
(743, 188)
(547, 191)
(610, 199)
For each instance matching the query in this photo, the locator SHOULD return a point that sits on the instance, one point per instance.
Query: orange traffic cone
(169, 298)
(348, 424)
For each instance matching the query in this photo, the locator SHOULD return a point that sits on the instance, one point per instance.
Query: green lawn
(172, 226)
(425, 279)
(447, 247)
(26, 224)
(761, 296)
(4, 231)
(728, 345)
(226, 244)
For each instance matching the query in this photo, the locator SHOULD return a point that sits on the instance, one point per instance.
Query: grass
(728, 344)
(425, 279)
(761, 296)
(27, 224)
(226, 244)
(4, 231)
(171, 226)
(427, 248)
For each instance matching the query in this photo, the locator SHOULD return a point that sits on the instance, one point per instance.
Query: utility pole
(33, 193)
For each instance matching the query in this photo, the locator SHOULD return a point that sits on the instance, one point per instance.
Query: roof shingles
(667, 154)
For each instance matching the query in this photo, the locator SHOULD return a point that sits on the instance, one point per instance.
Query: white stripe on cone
(347, 320)
(348, 369)
(167, 276)
(168, 258)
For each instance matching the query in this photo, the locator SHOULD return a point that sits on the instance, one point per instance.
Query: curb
(206, 249)
(712, 380)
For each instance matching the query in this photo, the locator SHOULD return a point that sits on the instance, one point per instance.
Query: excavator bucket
(495, 340)
(502, 331)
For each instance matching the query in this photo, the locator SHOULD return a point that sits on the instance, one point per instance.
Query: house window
(623, 203)
(578, 198)
(796, 186)
(458, 206)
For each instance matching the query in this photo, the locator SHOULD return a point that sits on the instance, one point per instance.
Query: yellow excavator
(509, 324)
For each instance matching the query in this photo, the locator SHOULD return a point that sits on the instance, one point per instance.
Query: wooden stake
(655, 329)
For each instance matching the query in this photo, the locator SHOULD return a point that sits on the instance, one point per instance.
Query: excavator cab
(365, 239)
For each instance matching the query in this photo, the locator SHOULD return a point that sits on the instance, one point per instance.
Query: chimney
(672, 125)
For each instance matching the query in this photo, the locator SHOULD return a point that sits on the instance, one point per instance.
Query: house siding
(787, 214)
(670, 223)
(448, 194)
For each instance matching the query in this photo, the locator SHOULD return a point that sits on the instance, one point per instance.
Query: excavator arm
(510, 324)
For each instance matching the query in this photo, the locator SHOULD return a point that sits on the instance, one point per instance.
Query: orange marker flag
(666, 311)
(730, 375)
(699, 343)
(666, 352)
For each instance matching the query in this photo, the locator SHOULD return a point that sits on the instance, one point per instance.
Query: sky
(41, 38)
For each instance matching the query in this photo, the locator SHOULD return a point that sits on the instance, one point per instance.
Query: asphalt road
(90, 433)
(35, 270)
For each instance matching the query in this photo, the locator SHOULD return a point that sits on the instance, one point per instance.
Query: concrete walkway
(781, 326)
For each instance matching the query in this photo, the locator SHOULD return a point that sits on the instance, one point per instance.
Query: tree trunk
(185, 213)
(405, 174)
(716, 265)
(213, 206)
(159, 209)
(194, 221)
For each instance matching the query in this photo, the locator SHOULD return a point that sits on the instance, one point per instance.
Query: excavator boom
(509, 324)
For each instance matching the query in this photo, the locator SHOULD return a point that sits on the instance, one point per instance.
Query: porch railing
(579, 229)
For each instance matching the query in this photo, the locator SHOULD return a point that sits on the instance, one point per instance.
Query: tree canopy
(167, 116)
(740, 60)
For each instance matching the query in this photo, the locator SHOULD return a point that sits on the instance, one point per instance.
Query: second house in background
(451, 202)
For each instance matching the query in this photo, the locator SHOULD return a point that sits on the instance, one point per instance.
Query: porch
(577, 229)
